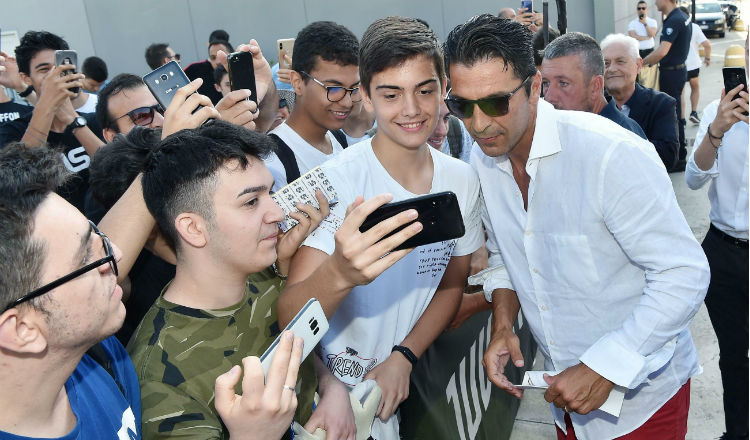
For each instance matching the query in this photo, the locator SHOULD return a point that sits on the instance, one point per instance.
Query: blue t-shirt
(676, 30)
(102, 410)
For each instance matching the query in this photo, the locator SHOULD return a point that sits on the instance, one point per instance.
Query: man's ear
(596, 86)
(26, 78)
(444, 88)
(192, 228)
(296, 81)
(21, 332)
(536, 88)
(218, 89)
(108, 134)
(639, 63)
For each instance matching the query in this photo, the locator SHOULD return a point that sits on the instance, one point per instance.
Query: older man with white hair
(653, 111)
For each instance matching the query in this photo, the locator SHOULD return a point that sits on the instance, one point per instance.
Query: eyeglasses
(491, 106)
(175, 57)
(641, 8)
(142, 115)
(336, 93)
(109, 257)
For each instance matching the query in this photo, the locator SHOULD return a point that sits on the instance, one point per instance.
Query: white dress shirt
(605, 266)
(641, 30)
(728, 176)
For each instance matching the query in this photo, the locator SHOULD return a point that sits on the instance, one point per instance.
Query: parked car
(711, 19)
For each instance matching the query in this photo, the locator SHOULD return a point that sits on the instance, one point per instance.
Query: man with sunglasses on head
(58, 298)
(326, 81)
(586, 237)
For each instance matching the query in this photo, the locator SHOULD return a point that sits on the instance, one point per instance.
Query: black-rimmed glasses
(336, 93)
(108, 258)
(142, 115)
(491, 106)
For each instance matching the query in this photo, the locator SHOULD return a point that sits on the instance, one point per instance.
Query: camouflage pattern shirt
(178, 353)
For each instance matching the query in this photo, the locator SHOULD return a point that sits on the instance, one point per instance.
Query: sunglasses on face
(142, 115)
(492, 106)
(641, 8)
(336, 93)
(109, 257)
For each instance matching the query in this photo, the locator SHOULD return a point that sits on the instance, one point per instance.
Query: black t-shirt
(74, 156)
(10, 111)
(204, 70)
(148, 277)
(676, 30)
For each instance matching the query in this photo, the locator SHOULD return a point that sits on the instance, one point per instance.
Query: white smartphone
(285, 47)
(310, 324)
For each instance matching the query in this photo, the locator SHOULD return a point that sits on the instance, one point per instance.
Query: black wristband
(408, 354)
(26, 92)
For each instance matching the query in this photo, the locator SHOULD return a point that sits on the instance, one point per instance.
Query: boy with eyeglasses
(386, 308)
(585, 235)
(325, 79)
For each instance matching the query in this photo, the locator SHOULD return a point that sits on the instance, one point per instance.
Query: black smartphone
(164, 81)
(439, 214)
(67, 57)
(526, 4)
(241, 73)
(734, 76)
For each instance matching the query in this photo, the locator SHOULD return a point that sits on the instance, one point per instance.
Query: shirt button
(535, 270)
(551, 342)
(528, 233)
(518, 193)
(543, 307)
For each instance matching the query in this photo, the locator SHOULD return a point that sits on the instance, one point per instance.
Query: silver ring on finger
(290, 388)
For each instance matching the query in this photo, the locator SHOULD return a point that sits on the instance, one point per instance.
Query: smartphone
(242, 73)
(67, 57)
(286, 47)
(526, 4)
(310, 324)
(164, 81)
(439, 214)
(734, 76)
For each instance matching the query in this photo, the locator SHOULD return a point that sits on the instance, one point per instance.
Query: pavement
(706, 418)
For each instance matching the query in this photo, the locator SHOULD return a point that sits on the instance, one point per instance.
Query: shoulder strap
(455, 136)
(99, 355)
(341, 137)
(286, 156)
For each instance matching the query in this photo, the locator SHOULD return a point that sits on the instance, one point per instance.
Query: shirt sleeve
(170, 413)
(671, 29)
(472, 239)
(694, 176)
(632, 26)
(639, 208)
(11, 132)
(496, 275)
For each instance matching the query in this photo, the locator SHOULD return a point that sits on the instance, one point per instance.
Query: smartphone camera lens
(281, 46)
(164, 77)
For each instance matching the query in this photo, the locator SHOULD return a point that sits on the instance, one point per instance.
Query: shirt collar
(546, 141)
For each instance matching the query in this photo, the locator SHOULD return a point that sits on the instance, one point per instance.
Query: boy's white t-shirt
(693, 60)
(375, 317)
(308, 157)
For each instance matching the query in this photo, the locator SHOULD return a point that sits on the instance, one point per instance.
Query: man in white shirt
(585, 235)
(381, 323)
(693, 64)
(721, 157)
(325, 78)
(643, 29)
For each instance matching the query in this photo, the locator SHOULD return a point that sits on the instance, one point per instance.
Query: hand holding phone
(187, 109)
(241, 73)
(264, 409)
(286, 47)
(67, 57)
(526, 4)
(733, 77)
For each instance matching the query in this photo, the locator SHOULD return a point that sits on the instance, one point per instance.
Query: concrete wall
(119, 31)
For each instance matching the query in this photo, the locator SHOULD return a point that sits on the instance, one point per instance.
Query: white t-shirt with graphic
(308, 157)
(375, 317)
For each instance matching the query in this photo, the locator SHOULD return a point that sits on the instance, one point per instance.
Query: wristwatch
(78, 122)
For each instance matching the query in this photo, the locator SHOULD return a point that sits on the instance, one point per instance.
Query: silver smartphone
(310, 324)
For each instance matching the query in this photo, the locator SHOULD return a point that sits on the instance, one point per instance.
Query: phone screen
(733, 77)
(526, 4)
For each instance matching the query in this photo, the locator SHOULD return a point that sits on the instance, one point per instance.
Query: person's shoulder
(197, 66)
(352, 158)
(650, 20)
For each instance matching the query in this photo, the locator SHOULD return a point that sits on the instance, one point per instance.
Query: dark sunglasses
(109, 257)
(142, 115)
(492, 106)
(641, 8)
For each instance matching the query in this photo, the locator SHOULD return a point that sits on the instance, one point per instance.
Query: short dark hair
(484, 37)
(641, 1)
(155, 54)
(116, 164)
(218, 34)
(34, 42)
(123, 81)
(27, 177)
(329, 41)
(181, 174)
(390, 41)
(578, 43)
(538, 42)
(219, 73)
(224, 43)
(95, 68)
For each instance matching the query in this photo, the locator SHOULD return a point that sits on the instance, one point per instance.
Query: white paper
(302, 190)
(535, 380)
